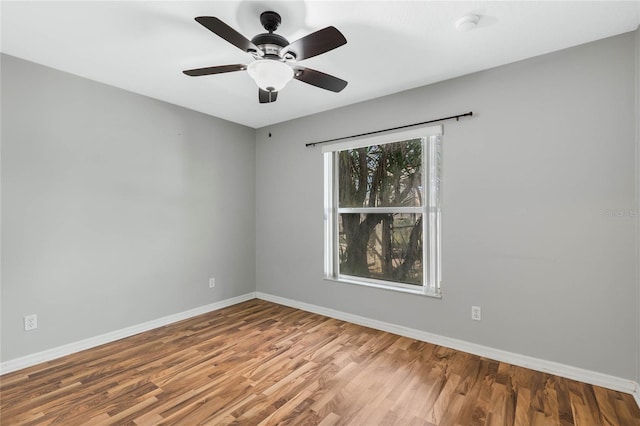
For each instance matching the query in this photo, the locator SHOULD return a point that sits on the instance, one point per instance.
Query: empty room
(320, 212)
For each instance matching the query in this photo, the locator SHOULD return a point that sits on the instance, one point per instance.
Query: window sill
(418, 292)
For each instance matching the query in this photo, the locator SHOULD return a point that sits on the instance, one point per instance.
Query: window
(382, 211)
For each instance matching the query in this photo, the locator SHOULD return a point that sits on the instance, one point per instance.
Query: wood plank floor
(258, 363)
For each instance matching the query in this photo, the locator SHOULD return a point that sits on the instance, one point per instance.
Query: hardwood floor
(258, 363)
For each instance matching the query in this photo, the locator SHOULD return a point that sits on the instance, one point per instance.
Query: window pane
(381, 246)
(381, 175)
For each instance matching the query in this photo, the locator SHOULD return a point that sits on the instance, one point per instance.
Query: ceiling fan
(275, 59)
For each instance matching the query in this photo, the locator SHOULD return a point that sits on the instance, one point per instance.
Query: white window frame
(431, 210)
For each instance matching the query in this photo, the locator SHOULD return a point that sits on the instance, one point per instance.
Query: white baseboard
(562, 370)
(60, 351)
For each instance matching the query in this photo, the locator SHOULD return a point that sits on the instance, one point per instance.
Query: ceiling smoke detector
(467, 22)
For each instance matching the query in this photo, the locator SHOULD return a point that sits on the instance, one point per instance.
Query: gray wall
(116, 208)
(638, 200)
(527, 185)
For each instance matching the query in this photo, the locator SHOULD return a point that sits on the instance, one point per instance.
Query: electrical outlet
(30, 322)
(212, 282)
(476, 313)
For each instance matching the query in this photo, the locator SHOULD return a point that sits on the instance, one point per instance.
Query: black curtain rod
(457, 117)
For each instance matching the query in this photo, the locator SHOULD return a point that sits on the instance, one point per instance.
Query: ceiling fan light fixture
(269, 74)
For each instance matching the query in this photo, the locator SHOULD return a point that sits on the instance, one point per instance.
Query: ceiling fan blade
(315, 43)
(223, 30)
(265, 97)
(318, 79)
(215, 70)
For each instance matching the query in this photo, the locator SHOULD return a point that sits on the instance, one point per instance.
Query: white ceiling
(142, 46)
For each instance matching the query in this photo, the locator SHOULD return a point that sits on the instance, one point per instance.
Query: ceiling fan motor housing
(270, 43)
